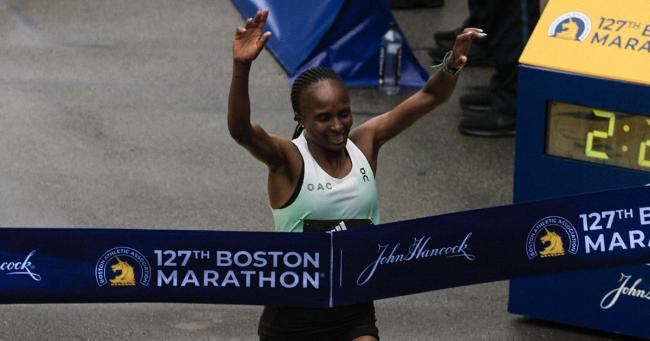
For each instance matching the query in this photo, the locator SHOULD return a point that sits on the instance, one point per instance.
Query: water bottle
(390, 57)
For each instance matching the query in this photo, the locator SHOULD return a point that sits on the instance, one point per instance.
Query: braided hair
(303, 81)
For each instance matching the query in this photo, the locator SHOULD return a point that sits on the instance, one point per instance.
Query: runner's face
(326, 114)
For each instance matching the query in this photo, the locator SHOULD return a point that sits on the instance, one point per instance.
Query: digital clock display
(598, 135)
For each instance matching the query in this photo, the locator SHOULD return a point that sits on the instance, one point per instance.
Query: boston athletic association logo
(552, 237)
(570, 26)
(122, 266)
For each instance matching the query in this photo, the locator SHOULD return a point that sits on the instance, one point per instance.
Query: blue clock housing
(587, 299)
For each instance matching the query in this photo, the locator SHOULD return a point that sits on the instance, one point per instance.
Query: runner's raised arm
(375, 132)
(247, 44)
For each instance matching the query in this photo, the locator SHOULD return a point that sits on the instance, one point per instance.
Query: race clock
(598, 135)
(583, 125)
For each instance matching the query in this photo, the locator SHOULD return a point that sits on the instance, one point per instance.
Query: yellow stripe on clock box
(601, 38)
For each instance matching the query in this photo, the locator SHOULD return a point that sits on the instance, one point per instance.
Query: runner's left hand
(462, 45)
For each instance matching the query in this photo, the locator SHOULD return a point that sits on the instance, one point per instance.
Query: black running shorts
(316, 324)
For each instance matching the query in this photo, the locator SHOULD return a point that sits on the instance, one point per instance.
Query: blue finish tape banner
(318, 270)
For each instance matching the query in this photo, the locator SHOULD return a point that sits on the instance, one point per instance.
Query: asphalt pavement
(112, 114)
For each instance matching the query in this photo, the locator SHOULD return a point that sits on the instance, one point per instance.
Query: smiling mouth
(337, 139)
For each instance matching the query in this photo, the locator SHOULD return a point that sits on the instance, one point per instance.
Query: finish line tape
(58, 265)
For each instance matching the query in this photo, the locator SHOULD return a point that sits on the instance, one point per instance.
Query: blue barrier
(53, 265)
(343, 35)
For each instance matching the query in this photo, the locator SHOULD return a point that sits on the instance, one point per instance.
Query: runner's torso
(322, 198)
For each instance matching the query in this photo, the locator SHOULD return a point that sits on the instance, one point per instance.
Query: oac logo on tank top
(319, 187)
(363, 173)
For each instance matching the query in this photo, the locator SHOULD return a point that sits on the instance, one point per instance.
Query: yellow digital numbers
(642, 161)
(589, 148)
(601, 136)
(642, 148)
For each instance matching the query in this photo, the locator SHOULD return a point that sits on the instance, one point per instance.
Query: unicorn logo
(570, 26)
(552, 243)
(550, 234)
(126, 274)
(569, 30)
(127, 267)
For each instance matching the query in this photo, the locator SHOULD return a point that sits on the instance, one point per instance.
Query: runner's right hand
(249, 40)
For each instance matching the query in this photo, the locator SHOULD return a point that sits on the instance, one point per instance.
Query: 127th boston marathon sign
(319, 270)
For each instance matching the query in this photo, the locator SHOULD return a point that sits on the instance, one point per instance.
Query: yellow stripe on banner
(601, 38)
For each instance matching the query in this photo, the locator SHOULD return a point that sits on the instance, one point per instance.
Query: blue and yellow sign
(583, 124)
(600, 38)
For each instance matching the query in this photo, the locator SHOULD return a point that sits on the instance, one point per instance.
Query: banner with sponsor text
(57, 265)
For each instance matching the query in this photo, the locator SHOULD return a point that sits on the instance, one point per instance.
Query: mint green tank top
(323, 197)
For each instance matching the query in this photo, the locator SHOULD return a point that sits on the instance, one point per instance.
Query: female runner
(323, 180)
